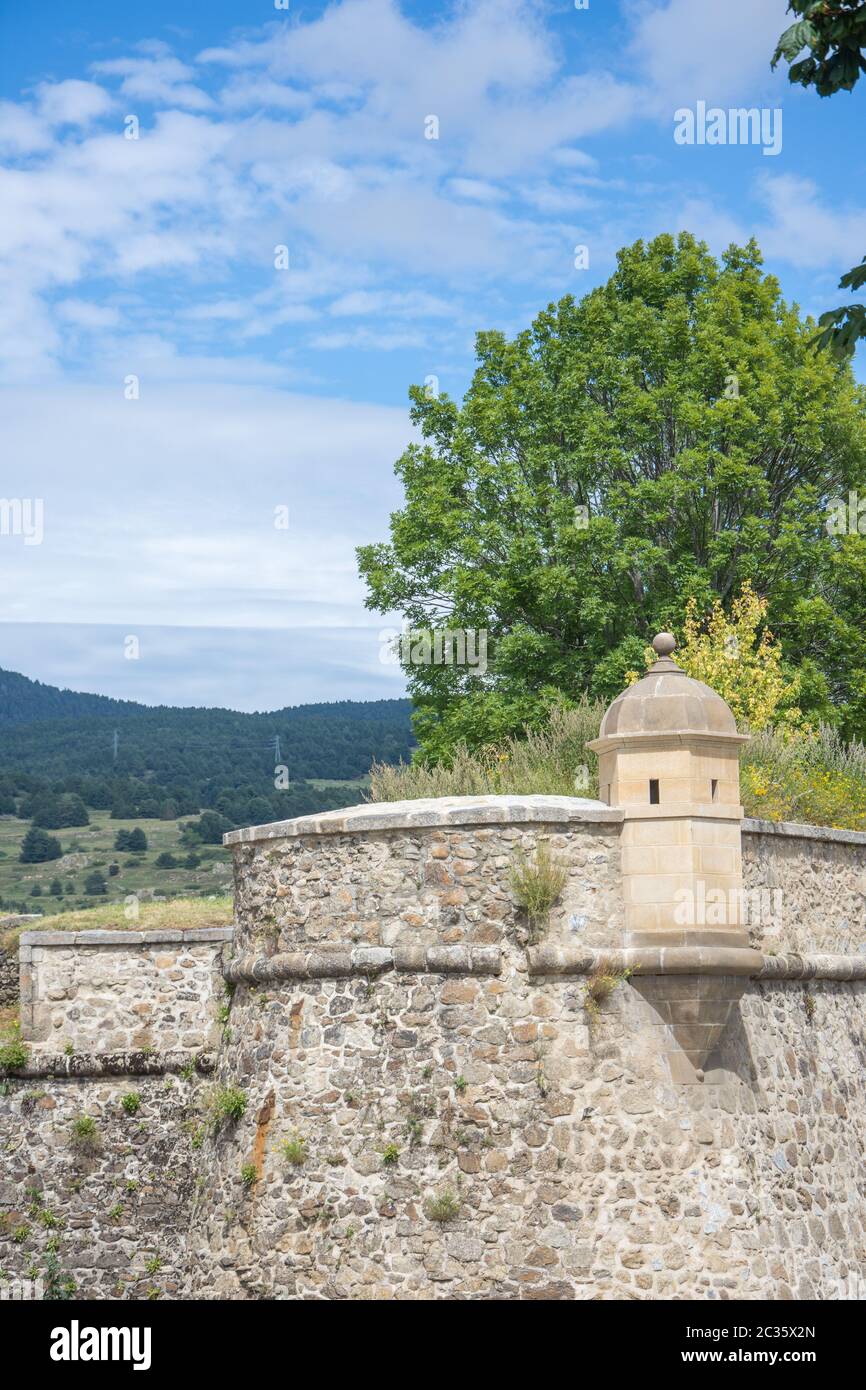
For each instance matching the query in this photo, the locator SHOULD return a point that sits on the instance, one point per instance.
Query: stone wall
(106, 991)
(424, 873)
(402, 1062)
(578, 1168)
(431, 1106)
(107, 1220)
(814, 882)
(9, 956)
(8, 976)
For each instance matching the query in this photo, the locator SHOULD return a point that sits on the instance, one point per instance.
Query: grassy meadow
(93, 848)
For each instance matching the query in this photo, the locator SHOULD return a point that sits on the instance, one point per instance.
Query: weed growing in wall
(131, 1102)
(601, 984)
(57, 1285)
(536, 884)
(249, 1176)
(227, 1104)
(444, 1206)
(294, 1150)
(13, 1052)
(84, 1135)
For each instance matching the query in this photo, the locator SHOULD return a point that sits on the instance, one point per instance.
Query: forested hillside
(65, 755)
(23, 700)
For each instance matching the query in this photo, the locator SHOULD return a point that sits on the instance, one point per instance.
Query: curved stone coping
(813, 967)
(111, 1064)
(696, 960)
(432, 812)
(339, 961)
(793, 831)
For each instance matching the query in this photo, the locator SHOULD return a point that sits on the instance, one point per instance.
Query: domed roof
(667, 701)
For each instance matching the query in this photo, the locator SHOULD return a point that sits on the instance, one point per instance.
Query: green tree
(669, 437)
(37, 847)
(94, 883)
(208, 829)
(834, 36)
(56, 812)
(166, 860)
(137, 841)
(56, 889)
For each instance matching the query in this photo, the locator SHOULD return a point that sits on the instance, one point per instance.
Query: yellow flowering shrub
(806, 794)
(738, 656)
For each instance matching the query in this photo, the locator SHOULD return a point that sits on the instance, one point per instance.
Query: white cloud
(86, 315)
(72, 102)
(409, 304)
(698, 49)
(185, 527)
(487, 74)
(157, 79)
(257, 93)
(369, 340)
(478, 190)
(803, 231)
(796, 227)
(21, 130)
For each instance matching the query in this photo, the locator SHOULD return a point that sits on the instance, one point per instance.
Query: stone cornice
(111, 1064)
(696, 960)
(699, 739)
(336, 962)
(342, 961)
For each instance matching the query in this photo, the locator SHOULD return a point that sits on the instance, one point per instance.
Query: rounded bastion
(445, 1099)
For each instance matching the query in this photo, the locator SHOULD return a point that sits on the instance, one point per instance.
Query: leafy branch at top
(835, 36)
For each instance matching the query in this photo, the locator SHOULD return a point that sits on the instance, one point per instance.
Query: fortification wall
(392, 1023)
(389, 1024)
(580, 1169)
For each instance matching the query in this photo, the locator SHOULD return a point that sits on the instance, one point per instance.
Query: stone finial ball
(664, 643)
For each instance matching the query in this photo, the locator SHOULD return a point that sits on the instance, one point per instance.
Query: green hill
(136, 763)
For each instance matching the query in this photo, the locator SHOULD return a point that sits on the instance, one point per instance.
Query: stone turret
(669, 756)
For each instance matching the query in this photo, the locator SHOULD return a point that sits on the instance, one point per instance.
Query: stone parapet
(121, 992)
(445, 811)
(793, 830)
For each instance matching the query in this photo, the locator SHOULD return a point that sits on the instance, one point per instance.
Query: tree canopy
(669, 437)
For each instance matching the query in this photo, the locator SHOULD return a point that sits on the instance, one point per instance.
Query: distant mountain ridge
(61, 734)
(24, 701)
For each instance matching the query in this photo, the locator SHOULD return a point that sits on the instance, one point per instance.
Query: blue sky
(261, 387)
